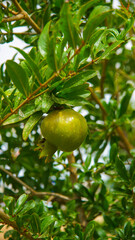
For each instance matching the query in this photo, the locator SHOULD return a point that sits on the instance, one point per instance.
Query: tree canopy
(79, 55)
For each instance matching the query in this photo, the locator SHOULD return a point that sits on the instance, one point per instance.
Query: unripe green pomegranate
(64, 129)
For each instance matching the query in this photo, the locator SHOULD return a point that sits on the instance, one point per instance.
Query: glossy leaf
(32, 65)
(27, 207)
(128, 230)
(127, 27)
(74, 91)
(79, 79)
(68, 27)
(121, 169)
(5, 97)
(18, 76)
(72, 101)
(89, 231)
(20, 202)
(47, 102)
(84, 8)
(51, 55)
(125, 102)
(113, 152)
(43, 41)
(96, 17)
(46, 222)
(32, 121)
(110, 49)
(27, 111)
(81, 190)
(35, 223)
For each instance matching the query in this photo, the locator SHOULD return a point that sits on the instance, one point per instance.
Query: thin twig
(33, 192)
(95, 97)
(10, 10)
(6, 219)
(28, 19)
(13, 18)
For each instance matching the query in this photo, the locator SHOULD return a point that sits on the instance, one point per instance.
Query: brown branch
(28, 19)
(13, 18)
(33, 192)
(10, 10)
(97, 100)
(72, 170)
(88, 64)
(125, 140)
(6, 219)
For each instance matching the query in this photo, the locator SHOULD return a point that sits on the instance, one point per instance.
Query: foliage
(79, 57)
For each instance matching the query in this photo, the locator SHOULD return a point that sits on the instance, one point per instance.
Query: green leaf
(5, 97)
(27, 207)
(113, 152)
(127, 27)
(20, 202)
(79, 79)
(51, 55)
(72, 101)
(32, 121)
(46, 222)
(74, 91)
(35, 223)
(95, 35)
(89, 231)
(87, 162)
(110, 49)
(18, 76)
(125, 102)
(43, 41)
(96, 17)
(31, 63)
(109, 221)
(84, 8)
(47, 102)
(120, 167)
(81, 190)
(128, 230)
(100, 151)
(27, 111)
(68, 27)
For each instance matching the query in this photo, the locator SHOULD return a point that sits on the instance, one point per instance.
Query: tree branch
(28, 19)
(33, 192)
(10, 10)
(6, 219)
(13, 18)
(72, 170)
